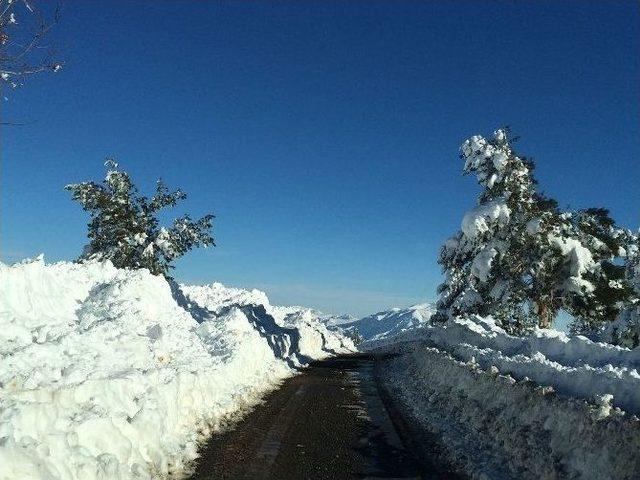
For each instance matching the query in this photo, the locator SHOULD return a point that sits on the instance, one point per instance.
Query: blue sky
(323, 135)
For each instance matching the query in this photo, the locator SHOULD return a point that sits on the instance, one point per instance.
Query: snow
(499, 160)
(386, 327)
(502, 406)
(580, 262)
(216, 296)
(490, 424)
(479, 154)
(481, 264)
(534, 226)
(572, 365)
(119, 374)
(480, 219)
(337, 320)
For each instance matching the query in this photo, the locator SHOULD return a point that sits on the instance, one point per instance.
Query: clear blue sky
(323, 135)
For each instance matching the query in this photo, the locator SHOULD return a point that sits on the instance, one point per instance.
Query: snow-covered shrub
(124, 226)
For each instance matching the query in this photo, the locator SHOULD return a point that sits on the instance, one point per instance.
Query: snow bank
(544, 406)
(118, 374)
(489, 425)
(215, 297)
(572, 365)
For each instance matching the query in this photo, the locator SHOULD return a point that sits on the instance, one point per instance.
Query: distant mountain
(389, 323)
(337, 320)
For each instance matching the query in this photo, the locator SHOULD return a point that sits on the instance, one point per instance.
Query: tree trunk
(544, 313)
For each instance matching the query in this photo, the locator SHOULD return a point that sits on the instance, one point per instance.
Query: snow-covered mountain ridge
(386, 326)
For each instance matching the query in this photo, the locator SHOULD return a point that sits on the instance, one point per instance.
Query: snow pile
(546, 405)
(118, 374)
(573, 365)
(215, 297)
(296, 334)
(391, 325)
(492, 425)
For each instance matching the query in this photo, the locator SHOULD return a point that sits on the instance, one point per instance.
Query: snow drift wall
(490, 425)
(547, 405)
(572, 365)
(117, 374)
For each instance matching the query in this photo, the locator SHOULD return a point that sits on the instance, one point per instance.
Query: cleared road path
(329, 422)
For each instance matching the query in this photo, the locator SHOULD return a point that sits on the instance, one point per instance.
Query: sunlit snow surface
(502, 405)
(385, 327)
(118, 374)
(573, 365)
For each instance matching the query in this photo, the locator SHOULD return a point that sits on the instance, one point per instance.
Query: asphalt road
(330, 422)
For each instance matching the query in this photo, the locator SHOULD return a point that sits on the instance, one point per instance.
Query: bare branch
(23, 29)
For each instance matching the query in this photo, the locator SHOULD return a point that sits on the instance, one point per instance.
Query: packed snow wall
(492, 426)
(573, 365)
(119, 374)
(545, 406)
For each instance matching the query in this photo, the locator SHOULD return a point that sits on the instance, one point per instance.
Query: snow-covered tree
(518, 257)
(604, 288)
(23, 51)
(124, 226)
(485, 262)
(625, 329)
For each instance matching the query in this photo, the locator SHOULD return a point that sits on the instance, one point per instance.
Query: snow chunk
(580, 262)
(483, 217)
(481, 264)
(500, 135)
(500, 160)
(534, 226)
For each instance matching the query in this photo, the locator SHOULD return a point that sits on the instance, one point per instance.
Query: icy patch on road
(118, 374)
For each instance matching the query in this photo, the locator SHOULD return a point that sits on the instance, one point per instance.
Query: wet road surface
(329, 422)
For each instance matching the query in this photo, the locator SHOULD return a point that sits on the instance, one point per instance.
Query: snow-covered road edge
(492, 426)
(573, 365)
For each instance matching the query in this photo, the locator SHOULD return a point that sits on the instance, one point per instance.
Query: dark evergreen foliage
(124, 226)
(520, 258)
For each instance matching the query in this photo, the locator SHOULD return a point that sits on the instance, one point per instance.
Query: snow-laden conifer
(518, 257)
(625, 330)
(604, 288)
(124, 226)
